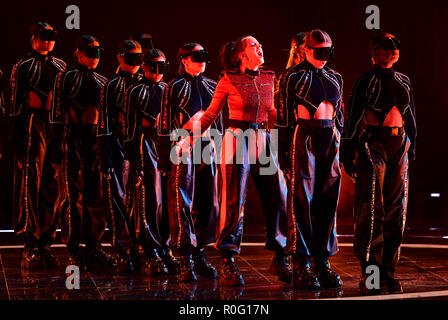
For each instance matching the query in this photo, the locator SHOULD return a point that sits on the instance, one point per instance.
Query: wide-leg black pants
(35, 185)
(84, 215)
(115, 196)
(149, 215)
(381, 196)
(314, 189)
(193, 199)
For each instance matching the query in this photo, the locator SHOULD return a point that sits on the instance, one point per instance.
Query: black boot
(280, 267)
(97, 257)
(328, 278)
(202, 266)
(48, 259)
(170, 261)
(394, 285)
(154, 263)
(303, 275)
(123, 263)
(31, 259)
(229, 274)
(187, 269)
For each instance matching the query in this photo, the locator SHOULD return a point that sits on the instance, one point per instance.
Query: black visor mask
(388, 44)
(198, 56)
(158, 67)
(93, 52)
(323, 53)
(132, 58)
(47, 35)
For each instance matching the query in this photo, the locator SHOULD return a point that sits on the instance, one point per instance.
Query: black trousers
(314, 189)
(193, 200)
(84, 214)
(35, 185)
(240, 159)
(381, 196)
(115, 194)
(149, 215)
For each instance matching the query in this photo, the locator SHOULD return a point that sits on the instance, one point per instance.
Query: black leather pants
(314, 189)
(149, 221)
(381, 196)
(114, 190)
(268, 180)
(35, 184)
(193, 201)
(84, 214)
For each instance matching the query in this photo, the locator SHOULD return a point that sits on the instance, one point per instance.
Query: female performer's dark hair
(85, 40)
(128, 45)
(152, 54)
(296, 54)
(315, 37)
(230, 53)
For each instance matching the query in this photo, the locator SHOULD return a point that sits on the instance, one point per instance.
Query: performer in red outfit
(248, 91)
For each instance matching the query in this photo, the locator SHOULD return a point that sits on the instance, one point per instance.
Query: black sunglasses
(158, 67)
(388, 44)
(198, 56)
(47, 35)
(323, 53)
(93, 52)
(132, 58)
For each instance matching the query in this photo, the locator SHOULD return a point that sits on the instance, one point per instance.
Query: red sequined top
(249, 95)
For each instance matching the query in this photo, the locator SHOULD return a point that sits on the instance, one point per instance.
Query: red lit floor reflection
(423, 268)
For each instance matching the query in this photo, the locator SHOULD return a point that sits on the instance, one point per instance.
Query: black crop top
(378, 91)
(306, 85)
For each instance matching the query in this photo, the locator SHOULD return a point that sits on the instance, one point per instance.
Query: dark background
(420, 27)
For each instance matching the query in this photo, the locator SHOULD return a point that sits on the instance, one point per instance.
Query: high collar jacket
(111, 107)
(143, 101)
(78, 89)
(249, 95)
(303, 84)
(378, 91)
(34, 73)
(183, 97)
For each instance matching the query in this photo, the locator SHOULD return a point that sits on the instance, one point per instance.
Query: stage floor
(423, 270)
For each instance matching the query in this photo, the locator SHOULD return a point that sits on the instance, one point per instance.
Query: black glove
(348, 152)
(106, 165)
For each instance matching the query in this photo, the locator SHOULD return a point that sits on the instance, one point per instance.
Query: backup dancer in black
(310, 103)
(379, 139)
(113, 166)
(150, 223)
(74, 117)
(193, 193)
(35, 189)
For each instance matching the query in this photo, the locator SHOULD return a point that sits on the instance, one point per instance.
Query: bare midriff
(393, 119)
(325, 111)
(89, 116)
(146, 123)
(35, 102)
